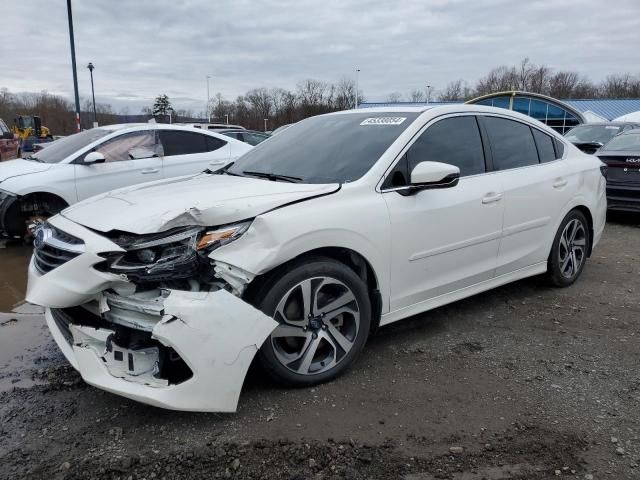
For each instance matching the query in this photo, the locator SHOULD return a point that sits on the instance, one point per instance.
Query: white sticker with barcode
(383, 121)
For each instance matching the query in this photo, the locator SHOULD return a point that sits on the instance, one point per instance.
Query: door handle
(560, 182)
(147, 171)
(491, 198)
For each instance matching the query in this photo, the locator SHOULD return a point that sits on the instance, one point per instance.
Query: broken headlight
(176, 254)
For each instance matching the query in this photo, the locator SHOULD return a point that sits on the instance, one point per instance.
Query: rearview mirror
(93, 157)
(428, 175)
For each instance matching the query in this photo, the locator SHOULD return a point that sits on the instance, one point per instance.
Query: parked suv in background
(337, 225)
(101, 159)
(622, 156)
(589, 137)
(9, 143)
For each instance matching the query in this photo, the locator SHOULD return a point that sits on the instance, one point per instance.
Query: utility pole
(227, 117)
(208, 100)
(265, 124)
(93, 95)
(73, 65)
(357, 72)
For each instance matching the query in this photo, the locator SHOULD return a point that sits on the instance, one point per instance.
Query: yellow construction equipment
(30, 130)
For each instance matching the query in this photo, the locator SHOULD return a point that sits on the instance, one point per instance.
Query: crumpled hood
(15, 168)
(206, 200)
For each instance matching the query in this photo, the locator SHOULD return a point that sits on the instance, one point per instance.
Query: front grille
(53, 247)
(46, 257)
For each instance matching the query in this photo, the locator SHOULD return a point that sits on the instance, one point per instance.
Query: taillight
(603, 170)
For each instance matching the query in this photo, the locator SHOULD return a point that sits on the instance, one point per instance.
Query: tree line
(312, 97)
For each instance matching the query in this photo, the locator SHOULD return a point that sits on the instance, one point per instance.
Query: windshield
(326, 149)
(592, 133)
(62, 148)
(627, 141)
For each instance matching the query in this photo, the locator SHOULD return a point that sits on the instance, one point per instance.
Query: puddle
(25, 341)
(14, 259)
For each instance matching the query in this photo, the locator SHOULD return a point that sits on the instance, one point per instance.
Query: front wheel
(569, 251)
(324, 313)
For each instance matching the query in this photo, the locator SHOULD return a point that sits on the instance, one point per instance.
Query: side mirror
(93, 157)
(429, 175)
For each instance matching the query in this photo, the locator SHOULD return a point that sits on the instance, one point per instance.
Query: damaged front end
(152, 318)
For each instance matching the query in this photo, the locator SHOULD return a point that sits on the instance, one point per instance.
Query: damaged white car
(165, 292)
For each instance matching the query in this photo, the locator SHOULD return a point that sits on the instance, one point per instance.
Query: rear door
(187, 153)
(536, 187)
(130, 158)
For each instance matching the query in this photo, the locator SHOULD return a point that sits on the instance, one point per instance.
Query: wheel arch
(587, 213)
(347, 256)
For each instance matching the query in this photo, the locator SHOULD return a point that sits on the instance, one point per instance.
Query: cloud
(147, 47)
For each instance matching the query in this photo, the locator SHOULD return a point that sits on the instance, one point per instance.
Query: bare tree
(416, 95)
(394, 97)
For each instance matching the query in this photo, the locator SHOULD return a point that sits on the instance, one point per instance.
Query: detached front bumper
(215, 334)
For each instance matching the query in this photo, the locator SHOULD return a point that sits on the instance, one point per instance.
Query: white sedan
(102, 159)
(296, 252)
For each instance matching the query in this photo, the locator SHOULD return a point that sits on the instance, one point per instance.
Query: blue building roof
(607, 108)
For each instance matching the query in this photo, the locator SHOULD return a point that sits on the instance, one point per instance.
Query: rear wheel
(569, 252)
(324, 313)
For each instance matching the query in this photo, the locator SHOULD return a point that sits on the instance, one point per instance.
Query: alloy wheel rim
(319, 322)
(572, 248)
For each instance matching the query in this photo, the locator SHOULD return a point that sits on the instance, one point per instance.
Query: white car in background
(102, 159)
(335, 226)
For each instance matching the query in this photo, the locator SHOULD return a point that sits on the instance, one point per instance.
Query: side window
(236, 135)
(214, 143)
(3, 127)
(178, 142)
(454, 140)
(544, 142)
(512, 144)
(130, 146)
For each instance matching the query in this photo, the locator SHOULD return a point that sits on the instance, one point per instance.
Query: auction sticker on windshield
(383, 121)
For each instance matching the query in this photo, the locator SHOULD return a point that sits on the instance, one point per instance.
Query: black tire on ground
(573, 235)
(285, 285)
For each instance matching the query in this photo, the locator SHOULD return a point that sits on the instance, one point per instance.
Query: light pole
(226, 115)
(265, 124)
(93, 95)
(208, 100)
(73, 65)
(428, 93)
(357, 72)
(170, 112)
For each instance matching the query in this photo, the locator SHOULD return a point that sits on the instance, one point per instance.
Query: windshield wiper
(273, 176)
(35, 159)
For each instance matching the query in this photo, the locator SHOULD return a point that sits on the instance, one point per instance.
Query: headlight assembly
(212, 239)
(176, 254)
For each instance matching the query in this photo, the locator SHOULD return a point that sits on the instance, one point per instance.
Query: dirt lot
(524, 381)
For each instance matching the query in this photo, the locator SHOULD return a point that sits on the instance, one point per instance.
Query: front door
(130, 158)
(447, 239)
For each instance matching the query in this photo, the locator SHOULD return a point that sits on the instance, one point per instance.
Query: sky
(143, 48)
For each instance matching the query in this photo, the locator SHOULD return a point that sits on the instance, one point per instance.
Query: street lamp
(170, 112)
(226, 115)
(208, 100)
(93, 95)
(357, 72)
(428, 93)
(265, 124)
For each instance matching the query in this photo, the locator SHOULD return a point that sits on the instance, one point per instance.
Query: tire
(569, 251)
(315, 345)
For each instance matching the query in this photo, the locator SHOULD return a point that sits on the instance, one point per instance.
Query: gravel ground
(524, 381)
